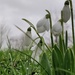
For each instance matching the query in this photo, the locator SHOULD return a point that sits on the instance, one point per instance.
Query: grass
(16, 62)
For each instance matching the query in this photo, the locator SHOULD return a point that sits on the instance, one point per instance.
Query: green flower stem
(62, 25)
(62, 35)
(72, 20)
(50, 27)
(66, 40)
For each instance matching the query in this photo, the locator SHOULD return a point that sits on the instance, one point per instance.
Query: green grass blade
(28, 22)
(23, 68)
(60, 69)
(31, 26)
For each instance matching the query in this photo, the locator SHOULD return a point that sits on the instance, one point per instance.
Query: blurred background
(12, 12)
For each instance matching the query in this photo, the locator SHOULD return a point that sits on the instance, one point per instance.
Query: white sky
(12, 11)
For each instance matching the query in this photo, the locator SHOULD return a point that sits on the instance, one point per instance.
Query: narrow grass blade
(31, 26)
(23, 69)
(28, 22)
(60, 69)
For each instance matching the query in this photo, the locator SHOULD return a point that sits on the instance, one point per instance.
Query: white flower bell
(57, 29)
(28, 36)
(66, 11)
(43, 24)
(37, 51)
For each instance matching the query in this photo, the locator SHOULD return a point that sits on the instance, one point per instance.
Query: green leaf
(60, 43)
(69, 61)
(46, 65)
(59, 55)
(57, 60)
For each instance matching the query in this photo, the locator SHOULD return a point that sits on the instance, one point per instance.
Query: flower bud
(28, 37)
(66, 12)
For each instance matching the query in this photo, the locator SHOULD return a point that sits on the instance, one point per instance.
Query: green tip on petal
(60, 20)
(66, 3)
(47, 16)
(29, 29)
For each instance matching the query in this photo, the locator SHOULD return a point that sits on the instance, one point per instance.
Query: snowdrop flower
(37, 51)
(57, 29)
(28, 36)
(43, 24)
(66, 11)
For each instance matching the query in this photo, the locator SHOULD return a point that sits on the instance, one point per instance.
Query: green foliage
(69, 61)
(15, 63)
(57, 60)
(46, 65)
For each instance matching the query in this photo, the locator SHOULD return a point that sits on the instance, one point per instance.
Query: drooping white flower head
(37, 51)
(28, 37)
(43, 24)
(57, 28)
(66, 11)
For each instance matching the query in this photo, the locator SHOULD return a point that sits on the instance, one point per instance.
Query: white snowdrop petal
(41, 29)
(27, 38)
(41, 22)
(66, 13)
(47, 25)
(42, 25)
(57, 28)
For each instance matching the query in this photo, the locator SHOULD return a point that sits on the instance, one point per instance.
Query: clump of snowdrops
(62, 58)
